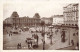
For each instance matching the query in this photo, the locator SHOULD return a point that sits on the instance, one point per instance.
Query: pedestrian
(28, 45)
(72, 42)
(77, 33)
(32, 35)
(77, 46)
(26, 41)
(18, 46)
(9, 34)
(31, 43)
(73, 34)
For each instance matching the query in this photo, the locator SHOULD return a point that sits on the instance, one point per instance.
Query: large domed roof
(14, 14)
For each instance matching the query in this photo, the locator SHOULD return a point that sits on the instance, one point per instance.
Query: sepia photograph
(41, 26)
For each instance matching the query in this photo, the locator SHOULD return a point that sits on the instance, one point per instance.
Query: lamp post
(69, 35)
(15, 21)
(36, 34)
(43, 33)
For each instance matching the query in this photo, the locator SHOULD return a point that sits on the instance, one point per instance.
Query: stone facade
(71, 15)
(23, 21)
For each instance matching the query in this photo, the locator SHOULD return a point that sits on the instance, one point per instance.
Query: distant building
(48, 20)
(58, 20)
(7, 21)
(71, 15)
(23, 21)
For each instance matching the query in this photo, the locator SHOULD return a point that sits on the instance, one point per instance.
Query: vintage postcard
(40, 25)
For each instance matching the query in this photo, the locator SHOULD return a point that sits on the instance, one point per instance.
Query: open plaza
(11, 41)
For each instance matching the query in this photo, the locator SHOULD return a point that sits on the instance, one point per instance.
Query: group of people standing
(10, 34)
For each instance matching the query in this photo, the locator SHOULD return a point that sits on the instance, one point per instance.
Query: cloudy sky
(45, 8)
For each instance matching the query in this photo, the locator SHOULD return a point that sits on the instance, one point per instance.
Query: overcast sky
(29, 8)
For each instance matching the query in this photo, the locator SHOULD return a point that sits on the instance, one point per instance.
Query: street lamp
(43, 33)
(15, 21)
(69, 35)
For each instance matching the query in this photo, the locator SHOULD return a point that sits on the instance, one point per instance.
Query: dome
(14, 14)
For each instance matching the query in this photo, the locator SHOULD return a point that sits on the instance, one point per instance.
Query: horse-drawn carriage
(32, 43)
